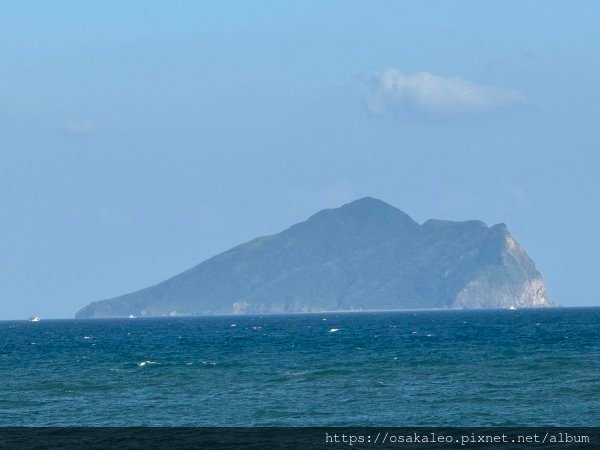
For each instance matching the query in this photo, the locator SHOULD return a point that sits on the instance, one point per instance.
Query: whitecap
(289, 373)
(333, 330)
(147, 362)
(87, 337)
(233, 325)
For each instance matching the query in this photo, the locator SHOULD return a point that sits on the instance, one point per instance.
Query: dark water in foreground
(538, 367)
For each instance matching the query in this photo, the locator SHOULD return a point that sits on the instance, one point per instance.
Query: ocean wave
(147, 362)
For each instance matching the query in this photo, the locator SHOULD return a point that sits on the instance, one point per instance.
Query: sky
(139, 138)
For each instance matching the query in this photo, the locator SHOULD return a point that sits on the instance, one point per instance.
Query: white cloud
(391, 89)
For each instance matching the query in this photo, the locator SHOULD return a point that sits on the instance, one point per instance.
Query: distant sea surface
(453, 368)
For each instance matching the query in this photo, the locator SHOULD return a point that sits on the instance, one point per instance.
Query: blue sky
(139, 138)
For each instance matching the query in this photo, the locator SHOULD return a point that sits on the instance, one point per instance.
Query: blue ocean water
(454, 368)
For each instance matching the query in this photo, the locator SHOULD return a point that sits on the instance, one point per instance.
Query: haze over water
(467, 368)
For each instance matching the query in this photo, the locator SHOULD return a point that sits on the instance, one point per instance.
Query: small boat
(131, 316)
(512, 307)
(34, 319)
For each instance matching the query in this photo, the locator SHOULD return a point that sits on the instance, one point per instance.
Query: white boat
(512, 307)
(34, 319)
(131, 316)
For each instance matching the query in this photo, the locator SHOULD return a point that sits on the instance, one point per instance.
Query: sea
(538, 367)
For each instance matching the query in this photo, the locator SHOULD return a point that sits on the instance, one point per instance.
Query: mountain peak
(355, 225)
(368, 201)
(365, 209)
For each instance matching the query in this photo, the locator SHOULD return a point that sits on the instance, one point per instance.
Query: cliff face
(364, 255)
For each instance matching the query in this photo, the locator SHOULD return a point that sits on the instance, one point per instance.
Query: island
(363, 256)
